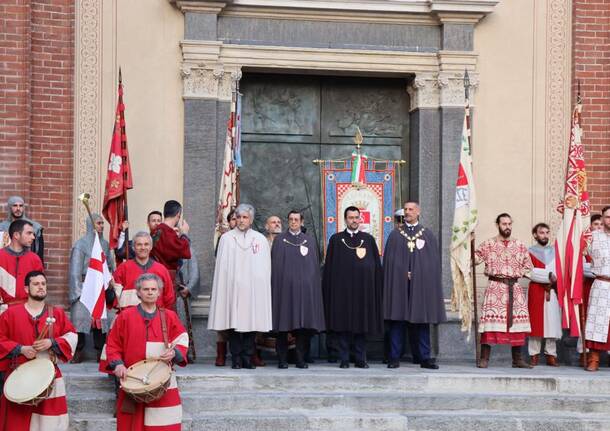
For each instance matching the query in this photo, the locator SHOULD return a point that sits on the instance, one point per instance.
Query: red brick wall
(36, 125)
(591, 66)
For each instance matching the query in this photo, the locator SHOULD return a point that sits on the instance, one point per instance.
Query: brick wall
(36, 121)
(591, 66)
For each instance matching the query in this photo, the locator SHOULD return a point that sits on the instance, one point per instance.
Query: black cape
(419, 300)
(296, 290)
(352, 286)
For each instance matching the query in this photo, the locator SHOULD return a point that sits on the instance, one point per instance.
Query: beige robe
(598, 315)
(241, 291)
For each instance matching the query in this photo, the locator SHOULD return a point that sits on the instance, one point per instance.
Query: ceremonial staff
(477, 338)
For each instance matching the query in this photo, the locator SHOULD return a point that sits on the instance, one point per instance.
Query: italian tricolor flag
(358, 166)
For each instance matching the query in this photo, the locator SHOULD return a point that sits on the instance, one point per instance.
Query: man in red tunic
(171, 243)
(128, 272)
(22, 329)
(138, 333)
(16, 261)
(543, 305)
(504, 315)
(596, 224)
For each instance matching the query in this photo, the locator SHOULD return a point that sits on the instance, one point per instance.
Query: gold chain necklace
(411, 239)
(350, 247)
(295, 245)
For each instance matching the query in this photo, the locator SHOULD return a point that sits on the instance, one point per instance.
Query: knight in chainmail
(16, 211)
(80, 316)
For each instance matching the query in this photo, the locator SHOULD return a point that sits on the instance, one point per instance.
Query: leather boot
(518, 361)
(534, 359)
(485, 354)
(256, 360)
(78, 357)
(592, 360)
(221, 353)
(552, 361)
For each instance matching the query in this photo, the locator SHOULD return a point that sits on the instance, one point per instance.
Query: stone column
(207, 96)
(424, 166)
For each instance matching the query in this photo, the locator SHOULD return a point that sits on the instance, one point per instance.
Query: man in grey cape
(412, 294)
(16, 211)
(79, 263)
(296, 290)
(241, 290)
(352, 288)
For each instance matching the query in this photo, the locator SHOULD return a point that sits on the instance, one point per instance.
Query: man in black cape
(352, 286)
(296, 291)
(412, 293)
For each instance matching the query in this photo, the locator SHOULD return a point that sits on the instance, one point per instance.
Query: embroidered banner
(375, 199)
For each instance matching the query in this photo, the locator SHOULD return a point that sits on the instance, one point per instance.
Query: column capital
(209, 81)
(451, 86)
(424, 91)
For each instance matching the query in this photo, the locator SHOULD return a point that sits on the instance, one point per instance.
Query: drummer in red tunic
(35, 330)
(16, 261)
(139, 333)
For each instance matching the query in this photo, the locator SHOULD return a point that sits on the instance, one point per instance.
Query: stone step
(338, 420)
(377, 379)
(387, 402)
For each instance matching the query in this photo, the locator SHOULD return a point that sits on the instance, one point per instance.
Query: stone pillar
(207, 96)
(424, 165)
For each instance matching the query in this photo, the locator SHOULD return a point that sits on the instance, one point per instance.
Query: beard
(505, 233)
(38, 298)
(542, 241)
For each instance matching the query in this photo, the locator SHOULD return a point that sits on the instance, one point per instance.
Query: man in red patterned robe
(504, 316)
(16, 261)
(20, 328)
(543, 305)
(138, 334)
(596, 224)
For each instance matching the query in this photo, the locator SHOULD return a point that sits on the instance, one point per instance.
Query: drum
(147, 380)
(31, 382)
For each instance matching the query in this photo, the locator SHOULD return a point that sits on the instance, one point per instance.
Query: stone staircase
(325, 397)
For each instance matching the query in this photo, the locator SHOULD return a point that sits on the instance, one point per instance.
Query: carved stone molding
(451, 86)
(558, 101)
(87, 118)
(201, 81)
(424, 91)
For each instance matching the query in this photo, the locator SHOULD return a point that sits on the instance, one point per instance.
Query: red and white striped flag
(98, 276)
(570, 243)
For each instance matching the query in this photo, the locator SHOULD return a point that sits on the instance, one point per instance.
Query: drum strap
(50, 310)
(164, 326)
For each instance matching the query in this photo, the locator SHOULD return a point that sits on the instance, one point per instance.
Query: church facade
(310, 72)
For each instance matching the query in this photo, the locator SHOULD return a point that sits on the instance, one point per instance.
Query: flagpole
(125, 173)
(581, 306)
(473, 275)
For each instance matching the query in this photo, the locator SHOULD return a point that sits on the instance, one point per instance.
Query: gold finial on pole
(358, 139)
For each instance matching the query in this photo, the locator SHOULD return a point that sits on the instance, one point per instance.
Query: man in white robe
(241, 291)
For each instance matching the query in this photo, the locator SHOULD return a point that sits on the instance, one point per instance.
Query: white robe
(241, 291)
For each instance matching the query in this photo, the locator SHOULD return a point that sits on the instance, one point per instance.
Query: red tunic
(19, 328)
(134, 337)
(169, 248)
(536, 297)
(13, 269)
(128, 272)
